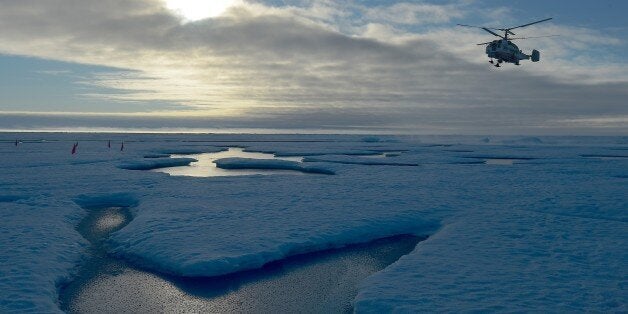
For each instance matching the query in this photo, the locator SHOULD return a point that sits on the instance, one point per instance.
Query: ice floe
(155, 163)
(548, 233)
(270, 164)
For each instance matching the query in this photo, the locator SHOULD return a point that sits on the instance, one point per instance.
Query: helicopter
(504, 50)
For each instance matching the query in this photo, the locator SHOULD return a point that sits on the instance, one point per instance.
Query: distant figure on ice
(16, 142)
(122, 146)
(109, 144)
(74, 147)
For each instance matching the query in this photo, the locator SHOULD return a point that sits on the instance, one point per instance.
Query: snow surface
(544, 262)
(39, 250)
(545, 234)
(360, 161)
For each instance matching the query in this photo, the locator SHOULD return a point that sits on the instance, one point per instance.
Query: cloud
(311, 64)
(413, 13)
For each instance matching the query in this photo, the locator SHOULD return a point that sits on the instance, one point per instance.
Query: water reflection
(205, 166)
(323, 282)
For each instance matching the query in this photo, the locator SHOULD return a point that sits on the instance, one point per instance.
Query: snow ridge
(155, 163)
(274, 164)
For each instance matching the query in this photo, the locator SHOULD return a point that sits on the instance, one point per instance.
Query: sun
(193, 10)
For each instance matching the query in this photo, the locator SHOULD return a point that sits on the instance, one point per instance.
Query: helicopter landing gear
(497, 65)
(490, 61)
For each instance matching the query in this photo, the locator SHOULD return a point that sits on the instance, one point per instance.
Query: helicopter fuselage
(505, 51)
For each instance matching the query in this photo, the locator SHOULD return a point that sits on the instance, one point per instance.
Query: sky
(339, 66)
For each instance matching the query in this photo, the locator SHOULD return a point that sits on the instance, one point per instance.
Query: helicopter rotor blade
(488, 29)
(482, 27)
(517, 38)
(492, 32)
(486, 43)
(524, 25)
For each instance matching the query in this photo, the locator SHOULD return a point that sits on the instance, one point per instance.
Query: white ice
(546, 233)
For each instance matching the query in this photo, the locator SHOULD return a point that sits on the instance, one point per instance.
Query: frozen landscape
(401, 223)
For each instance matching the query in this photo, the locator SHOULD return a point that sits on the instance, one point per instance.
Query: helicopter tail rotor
(536, 56)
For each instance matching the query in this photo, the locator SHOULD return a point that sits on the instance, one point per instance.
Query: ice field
(512, 223)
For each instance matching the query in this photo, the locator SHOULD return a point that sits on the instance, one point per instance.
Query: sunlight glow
(193, 10)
